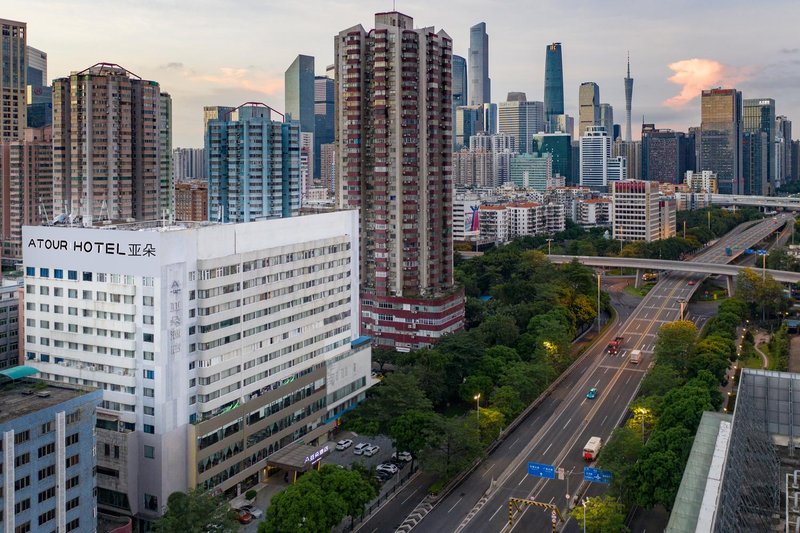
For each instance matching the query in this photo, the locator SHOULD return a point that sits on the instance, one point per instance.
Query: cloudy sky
(226, 52)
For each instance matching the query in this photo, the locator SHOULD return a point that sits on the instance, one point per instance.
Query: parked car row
(366, 449)
(246, 514)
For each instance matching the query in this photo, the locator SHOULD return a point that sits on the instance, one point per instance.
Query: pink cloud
(695, 75)
(245, 79)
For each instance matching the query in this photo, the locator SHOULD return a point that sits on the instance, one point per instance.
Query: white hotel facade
(214, 345)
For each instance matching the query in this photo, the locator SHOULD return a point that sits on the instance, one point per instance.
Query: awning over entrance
(299, 457)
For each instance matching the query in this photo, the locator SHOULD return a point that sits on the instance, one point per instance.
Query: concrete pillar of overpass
(638, 282)
(729, 281)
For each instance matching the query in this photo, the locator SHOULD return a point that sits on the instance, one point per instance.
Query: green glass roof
(18, 372)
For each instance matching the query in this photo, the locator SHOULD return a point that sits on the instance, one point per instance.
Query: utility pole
(548, 245)
(598, 301)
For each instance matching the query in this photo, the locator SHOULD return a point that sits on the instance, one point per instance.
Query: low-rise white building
(215, 345)
(705, 181)
(503, 223)
(593, 212)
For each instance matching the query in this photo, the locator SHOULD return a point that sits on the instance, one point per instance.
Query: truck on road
(615, 345)
(636, 356)
(592, 448)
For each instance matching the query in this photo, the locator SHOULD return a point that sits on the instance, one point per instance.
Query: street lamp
(583, 502)
(642, 411)
(598, 301)
(682, 302)
(548, 245)
(477, 399)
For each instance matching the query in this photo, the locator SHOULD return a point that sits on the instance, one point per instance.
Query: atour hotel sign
(98, 250)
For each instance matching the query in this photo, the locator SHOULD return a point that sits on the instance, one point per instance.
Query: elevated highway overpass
(775, 202)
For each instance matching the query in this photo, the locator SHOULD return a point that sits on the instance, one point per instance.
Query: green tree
(675, 344)
(499, 329)
(474, 385)
(195, 512)
(455, 448)
(506, 399)
(584, 309)
(619, 455)
(382, 356)
(603, 514)
(491, 423)
(351, 486)
(660, 380)
(303, 507)
(398, 393)
(415, 430)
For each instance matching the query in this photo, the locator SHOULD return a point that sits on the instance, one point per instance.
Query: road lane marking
(410, 496)
(628, 380)
(521, 480)
(487, 470)
(513, 443)
(494, 513)
(548, 448)
(604, 420)
(454, 505)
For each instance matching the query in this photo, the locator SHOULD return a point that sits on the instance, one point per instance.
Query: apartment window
(149, 374)
(149, 452)
(44, 291)
(21, 483)
(149, 428)
(21, 506)
(58, 291)
(147, 319)
(72, 274)
(149, 393)
(74, 524)
(46, 472)
(30, 271)
(72, 293)
(44, 272)
(22, 459)
(147, 300)
(148, 337)
(73, 311)
(46, 428)
(148, 356)
(101, 296)
(73, 482)
(58, 326)
(73, 417)
(58, 273)
(87, 295)
(73, 503)
(73, 328)
(22, 436)
(128, 299)
(47, 494)
(58, 309)
(149, 410)
(73, 460)
(71, 439)
(47, 516)
(87, 276)
(23, 528)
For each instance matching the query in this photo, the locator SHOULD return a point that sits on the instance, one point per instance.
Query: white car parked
(372, 450)
(361, 447)
(387, 467)
(401, 456)
(344, 444)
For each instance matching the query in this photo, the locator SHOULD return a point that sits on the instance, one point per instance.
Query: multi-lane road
(556, 433)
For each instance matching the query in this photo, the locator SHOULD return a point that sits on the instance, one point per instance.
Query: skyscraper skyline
(480, 85)
(721, 137)
(607, 119)
(460, 81)
(628, 102)
(397, 171)
(299, 92)
(324, 117)
(589, 107)
(522, 120)
(553, 82)
(758, 115)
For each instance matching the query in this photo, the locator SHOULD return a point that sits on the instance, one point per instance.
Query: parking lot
(347, 457)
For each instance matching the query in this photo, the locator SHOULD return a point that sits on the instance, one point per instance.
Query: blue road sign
(761, 252)
(749, 251)
(596, 475)
(540, 470)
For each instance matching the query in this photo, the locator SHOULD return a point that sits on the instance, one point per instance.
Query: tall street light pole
(584, 514)
(478, 409)
(598, 301)
(548, 245)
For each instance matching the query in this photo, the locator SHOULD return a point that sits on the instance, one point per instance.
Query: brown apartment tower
(394, 164)
(109, 152)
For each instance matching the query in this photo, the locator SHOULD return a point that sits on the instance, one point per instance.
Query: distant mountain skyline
(209, 53)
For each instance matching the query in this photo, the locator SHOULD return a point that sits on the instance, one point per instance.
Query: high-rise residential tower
(758, 115)
(12, 78)
(628, 102)
(480, 85)
(589, 112)
(261, 178)
(521, 119)
(553, 82)
(299, 92)
(460, 81)
(595, 154)
(394, 151)
(324, 117)
(188, 164)
(666, 154)
(721, 137)
(783, 150)
(109, 145)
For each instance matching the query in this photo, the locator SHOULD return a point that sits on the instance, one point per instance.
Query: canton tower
(628, 99)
